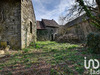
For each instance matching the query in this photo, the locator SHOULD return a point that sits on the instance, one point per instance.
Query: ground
(46, 58)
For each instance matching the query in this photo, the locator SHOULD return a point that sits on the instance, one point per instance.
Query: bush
(93, 42)
(37, 46)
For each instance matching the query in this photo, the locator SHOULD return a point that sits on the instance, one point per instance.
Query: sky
(51, 9)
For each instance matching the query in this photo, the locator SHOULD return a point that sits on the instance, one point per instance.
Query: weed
(37, 46)
(53, 72)
(52, 53)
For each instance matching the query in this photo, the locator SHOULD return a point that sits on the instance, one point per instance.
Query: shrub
(93, 42)
(37, 46)
(25, 50)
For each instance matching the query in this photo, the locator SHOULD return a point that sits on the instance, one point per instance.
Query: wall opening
(52, 37)
(30, 27)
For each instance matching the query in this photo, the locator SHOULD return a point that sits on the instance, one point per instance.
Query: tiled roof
(50, 23)
(40, 25)
(46, 23)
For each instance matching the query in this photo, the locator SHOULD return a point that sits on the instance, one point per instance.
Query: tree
(95, 20)
(61, 20)
(98, 3)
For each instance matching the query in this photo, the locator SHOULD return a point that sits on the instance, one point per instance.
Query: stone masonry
(17, 23)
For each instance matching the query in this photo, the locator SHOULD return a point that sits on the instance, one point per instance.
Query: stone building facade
(47, 30)
(17, 23)
(79, 27)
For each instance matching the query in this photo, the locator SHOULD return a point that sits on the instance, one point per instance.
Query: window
(30, 27)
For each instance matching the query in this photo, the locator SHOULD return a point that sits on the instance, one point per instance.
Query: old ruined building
(79, 28)
(47, 30)
(17, 23)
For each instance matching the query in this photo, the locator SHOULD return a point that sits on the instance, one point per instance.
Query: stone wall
(77, 30)
(87, 28)
(81, 29)
(61, 30)
(17, 23)
(10, 22)
(28, 23)
(47, 34)
(42, 35)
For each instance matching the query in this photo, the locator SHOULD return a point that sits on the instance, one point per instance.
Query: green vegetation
(93, 43)
(95, 20)
(54, 58)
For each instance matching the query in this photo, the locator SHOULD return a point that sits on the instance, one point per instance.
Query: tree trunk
(98, 3)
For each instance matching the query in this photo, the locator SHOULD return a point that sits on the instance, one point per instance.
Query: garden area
(47, 58)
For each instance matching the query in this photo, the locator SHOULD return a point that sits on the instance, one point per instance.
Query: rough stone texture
(71, 38)
(12, 22)
(42, 35)
(27, 19)
(47, 30)
(81, 29)
(48, 34)
(61, 30)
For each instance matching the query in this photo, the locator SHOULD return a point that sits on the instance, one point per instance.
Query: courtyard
(46, 58)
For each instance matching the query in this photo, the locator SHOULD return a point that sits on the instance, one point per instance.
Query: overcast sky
(51, 9)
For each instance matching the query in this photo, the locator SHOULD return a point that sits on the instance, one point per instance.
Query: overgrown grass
(64, 58)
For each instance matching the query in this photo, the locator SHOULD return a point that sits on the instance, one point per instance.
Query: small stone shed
(47, 30)
(17, 23)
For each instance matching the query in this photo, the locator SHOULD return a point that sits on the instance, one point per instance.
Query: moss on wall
(3, 44)
(44, 35)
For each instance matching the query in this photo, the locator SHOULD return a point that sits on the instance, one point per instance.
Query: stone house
(80, 27)
(47, 30)
(17, 23)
